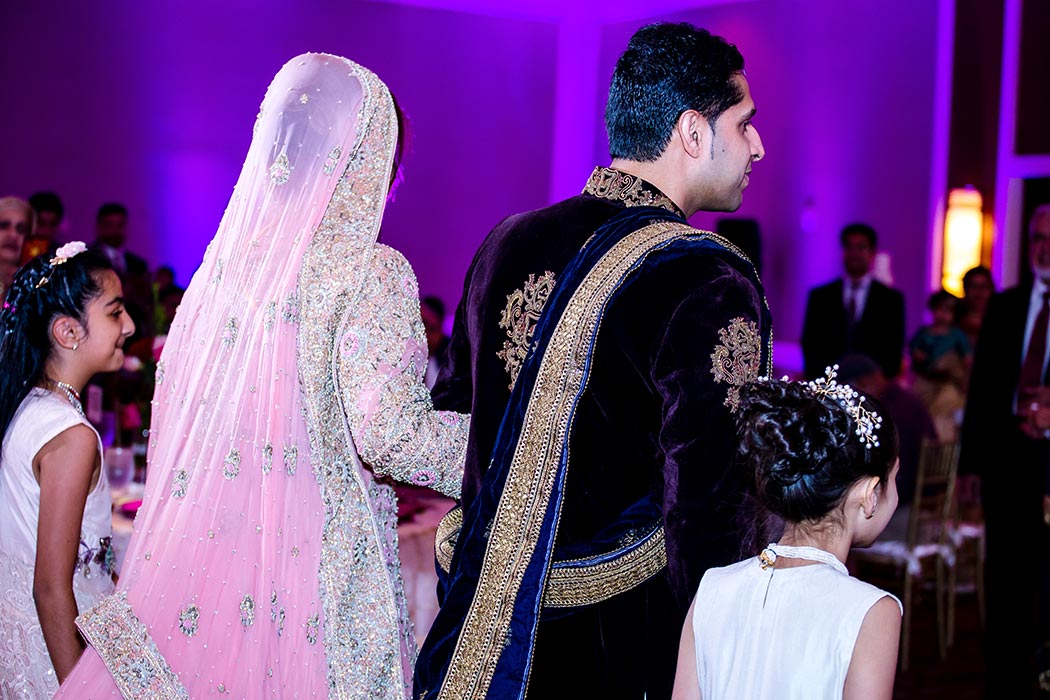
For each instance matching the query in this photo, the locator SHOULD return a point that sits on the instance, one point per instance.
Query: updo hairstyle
(802, 448)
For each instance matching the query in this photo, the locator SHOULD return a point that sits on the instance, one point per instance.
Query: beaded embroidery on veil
(257, 511)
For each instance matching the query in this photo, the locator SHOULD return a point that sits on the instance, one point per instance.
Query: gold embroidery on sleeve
(519, 319)
(736, 358)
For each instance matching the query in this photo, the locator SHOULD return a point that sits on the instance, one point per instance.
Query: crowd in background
(856, 321)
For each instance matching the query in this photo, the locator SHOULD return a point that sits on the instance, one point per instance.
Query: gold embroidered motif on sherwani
(525, 305)
(609, 183)
(737, 358)
(519, 319)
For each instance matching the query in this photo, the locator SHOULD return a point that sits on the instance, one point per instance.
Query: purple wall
(152, 105)
(844, 93)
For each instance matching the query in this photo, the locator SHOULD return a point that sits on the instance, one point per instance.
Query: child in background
(941, 357)
(62, 321)
(792, 623)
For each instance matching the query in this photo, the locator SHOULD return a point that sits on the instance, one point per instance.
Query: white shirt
(859, 289)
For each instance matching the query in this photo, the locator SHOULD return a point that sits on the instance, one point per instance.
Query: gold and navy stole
(481, 642)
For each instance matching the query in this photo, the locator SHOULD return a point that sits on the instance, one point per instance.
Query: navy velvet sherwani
(653, 424)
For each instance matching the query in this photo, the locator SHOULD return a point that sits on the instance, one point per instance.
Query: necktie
(1032, 368)
(852, 302)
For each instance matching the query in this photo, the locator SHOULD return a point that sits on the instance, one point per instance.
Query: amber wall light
(962, 237)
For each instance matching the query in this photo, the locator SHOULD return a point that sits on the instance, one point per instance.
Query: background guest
(856, 313)
(16, 222)
(111, 225)
(49, 215)
(122, 391)
(1008, 370)
(941, 357)
(433, 311)
(167, 296)
(978, 288)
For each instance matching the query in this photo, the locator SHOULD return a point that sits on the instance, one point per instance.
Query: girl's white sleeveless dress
(25, 666)
(777, 633)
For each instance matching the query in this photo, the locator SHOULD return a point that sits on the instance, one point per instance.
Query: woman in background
(978, 288)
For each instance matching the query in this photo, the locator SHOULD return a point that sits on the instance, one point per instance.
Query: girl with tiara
(62, 321)
(792, 623)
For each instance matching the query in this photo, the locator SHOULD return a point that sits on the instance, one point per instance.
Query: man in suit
(433, 311)
(111, 225)
(854, 314)
(1007, 385)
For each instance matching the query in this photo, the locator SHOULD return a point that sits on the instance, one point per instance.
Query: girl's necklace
(72, 394)
(769, 555)
(768, 559)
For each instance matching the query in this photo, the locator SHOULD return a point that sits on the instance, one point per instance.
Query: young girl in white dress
(791, 623)
(62, 321)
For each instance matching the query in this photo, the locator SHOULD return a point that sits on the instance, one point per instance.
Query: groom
(599, 347)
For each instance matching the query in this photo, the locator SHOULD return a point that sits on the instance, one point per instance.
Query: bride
(290, 392)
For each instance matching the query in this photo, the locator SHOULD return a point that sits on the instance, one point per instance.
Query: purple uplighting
(152, 105)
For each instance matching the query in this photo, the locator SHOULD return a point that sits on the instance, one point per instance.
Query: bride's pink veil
(253, 516)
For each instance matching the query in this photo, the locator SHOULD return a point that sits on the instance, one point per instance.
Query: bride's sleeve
(382, 360)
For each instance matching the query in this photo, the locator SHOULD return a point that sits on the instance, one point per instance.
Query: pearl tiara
(867, 422)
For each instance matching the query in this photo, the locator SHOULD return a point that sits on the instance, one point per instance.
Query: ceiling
(574, 11)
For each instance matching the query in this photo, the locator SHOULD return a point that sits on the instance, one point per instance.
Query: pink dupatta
(264, 560)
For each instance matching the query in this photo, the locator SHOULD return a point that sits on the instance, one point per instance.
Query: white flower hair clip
(62, 255)
(69, 250)
(867, 422)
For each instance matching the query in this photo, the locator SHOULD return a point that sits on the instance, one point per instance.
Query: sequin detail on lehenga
(130, 654)
(365, 629)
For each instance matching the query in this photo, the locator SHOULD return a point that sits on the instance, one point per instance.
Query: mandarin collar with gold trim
(633, 191)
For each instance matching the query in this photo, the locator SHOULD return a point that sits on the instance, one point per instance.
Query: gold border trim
(573, 586)
(445, 539)
(330, 282)
(530, 480)
(582, 584)
(138, 668)
(633, 191)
